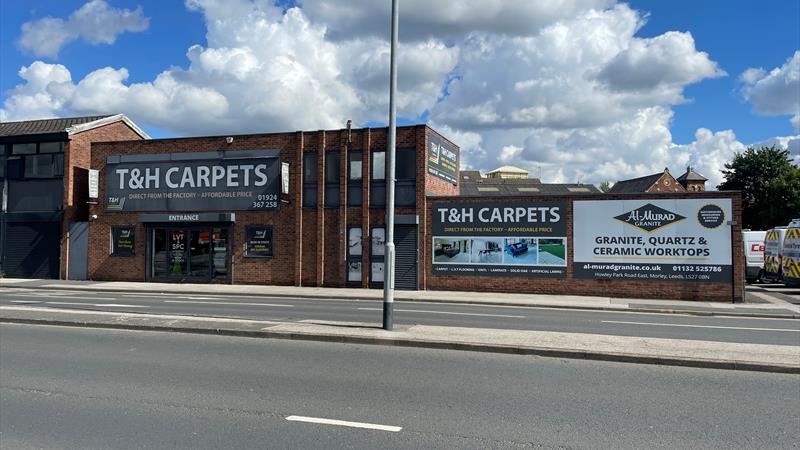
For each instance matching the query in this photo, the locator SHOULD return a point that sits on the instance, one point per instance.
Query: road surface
(91, 388)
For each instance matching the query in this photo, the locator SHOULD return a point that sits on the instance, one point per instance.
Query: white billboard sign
(94, 183)
(659, 240)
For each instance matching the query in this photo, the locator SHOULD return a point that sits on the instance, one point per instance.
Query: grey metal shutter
(405, 242)
(32, 249)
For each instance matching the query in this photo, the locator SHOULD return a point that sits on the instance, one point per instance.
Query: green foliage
(770, 186)
(605, 186)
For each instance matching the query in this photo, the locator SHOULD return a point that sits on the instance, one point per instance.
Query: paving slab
(679, 352)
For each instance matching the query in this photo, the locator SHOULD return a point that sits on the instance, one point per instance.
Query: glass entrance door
(196, 253)
(199, 254)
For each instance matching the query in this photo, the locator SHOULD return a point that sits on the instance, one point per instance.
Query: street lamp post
(388, 280)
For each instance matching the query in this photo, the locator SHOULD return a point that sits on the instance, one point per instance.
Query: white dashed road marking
(227, 303)
(700, 326)
(344, 423)
(445, 312)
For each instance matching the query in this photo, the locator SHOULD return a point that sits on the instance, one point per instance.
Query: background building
(690, 181)
(472, 183)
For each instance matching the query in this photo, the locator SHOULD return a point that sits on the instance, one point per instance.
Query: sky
(572, 90)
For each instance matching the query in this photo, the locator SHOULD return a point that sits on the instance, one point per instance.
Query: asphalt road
(708, 328)
(63, 387)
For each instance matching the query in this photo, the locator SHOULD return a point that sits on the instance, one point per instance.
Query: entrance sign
(662, 240)
(442, 158)
(518, 239)
(208, 181)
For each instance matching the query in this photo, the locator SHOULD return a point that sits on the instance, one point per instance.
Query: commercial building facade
(302, 208)
(308, 209)
(44, 174)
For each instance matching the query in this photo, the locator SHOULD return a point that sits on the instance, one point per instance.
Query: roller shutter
(32, 249)
(405, 243)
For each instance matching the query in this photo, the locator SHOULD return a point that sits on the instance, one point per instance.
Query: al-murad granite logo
(649, 217)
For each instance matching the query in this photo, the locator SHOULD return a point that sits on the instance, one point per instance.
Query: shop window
(16, 168)
(354, 179)
(377, 196)
(43, 166)
(35, 195)
(309, 179)
(51, 147)
(354, 249)
(377, 252)
(332, 179)
(24, 149)
(32, 160)
(405, 176)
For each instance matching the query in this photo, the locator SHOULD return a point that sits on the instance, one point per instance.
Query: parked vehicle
(773, 253)
(753, 254)
(791, 254)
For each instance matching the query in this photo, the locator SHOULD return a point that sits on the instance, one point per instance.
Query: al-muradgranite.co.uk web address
(616, 267)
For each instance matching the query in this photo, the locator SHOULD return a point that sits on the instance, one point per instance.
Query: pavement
(636, 349)
(760, 305)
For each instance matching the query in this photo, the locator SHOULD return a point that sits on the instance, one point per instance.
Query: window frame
(332, 187)
(355, 196)
(310, 185)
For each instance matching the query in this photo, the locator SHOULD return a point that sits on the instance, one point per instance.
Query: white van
(753, 254)
(791, 254)
(773, 253)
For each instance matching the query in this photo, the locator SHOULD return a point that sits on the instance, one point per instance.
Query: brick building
(690, 181)
(307, 209)
(321, 225)
(44, 175)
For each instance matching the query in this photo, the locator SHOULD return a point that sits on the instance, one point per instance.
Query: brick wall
(310, 243)
(77, 159)
(612, 288)
(667, 183)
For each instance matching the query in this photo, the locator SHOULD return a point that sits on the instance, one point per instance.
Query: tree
(605, 186)
(770, 186)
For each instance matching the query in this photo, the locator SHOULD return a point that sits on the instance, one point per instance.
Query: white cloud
(443, 19)
(563, 87)
(42, 96)
(95, 22)
(776, 92)
(668, 60)
(584, 72)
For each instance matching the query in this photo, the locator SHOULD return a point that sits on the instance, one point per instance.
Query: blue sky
(736, 35)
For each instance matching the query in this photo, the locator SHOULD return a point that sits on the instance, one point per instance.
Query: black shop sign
(191, 181)
(258, 241)
(123, 241)
(442, 158)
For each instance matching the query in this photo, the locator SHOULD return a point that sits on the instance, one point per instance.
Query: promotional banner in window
(517, 239)
(209, 181)
(122, 241)
(442, 158)
(662, 240)
(258, 241)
